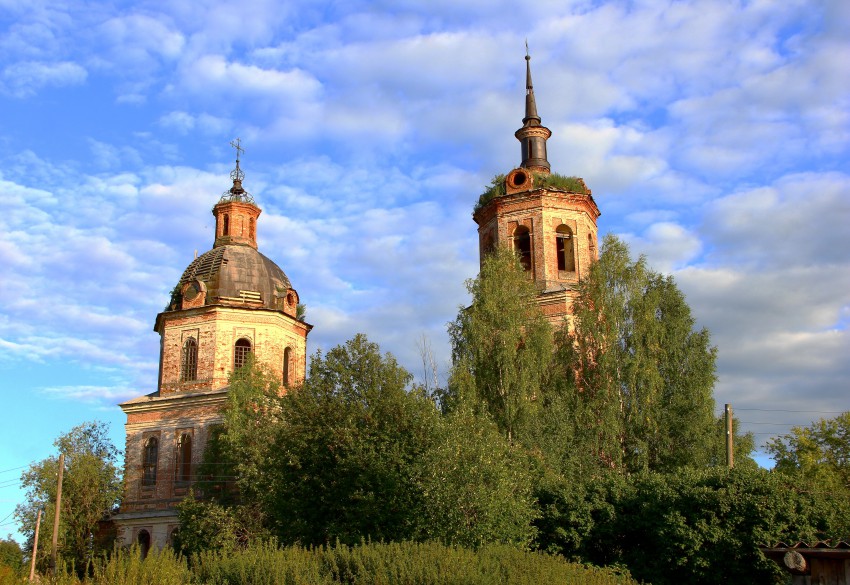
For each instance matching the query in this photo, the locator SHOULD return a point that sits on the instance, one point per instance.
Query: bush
(682, 527)
(387, 564)
(541, 181)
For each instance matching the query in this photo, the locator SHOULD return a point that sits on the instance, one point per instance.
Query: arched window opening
(149, 461)
(189, 369)
(252, 229)
(287, 359)
(591, 245)
(522, 246)
(144, 539)
(225, 229)
(565, 249)
(240, 353)
(184, 458)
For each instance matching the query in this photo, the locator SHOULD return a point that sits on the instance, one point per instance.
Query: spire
(531, 117)
(532, 135)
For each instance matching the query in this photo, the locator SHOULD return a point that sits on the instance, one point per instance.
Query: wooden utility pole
(35, 546)
(730, 438)
(56, 516)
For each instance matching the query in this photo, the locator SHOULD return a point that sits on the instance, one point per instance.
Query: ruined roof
(235, 274)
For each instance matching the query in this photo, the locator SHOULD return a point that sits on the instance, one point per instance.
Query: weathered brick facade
(230, 301)
(553, 229)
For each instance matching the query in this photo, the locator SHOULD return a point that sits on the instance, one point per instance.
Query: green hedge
(404, 563)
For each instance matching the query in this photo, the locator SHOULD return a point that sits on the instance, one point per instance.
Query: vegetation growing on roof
(541, 181)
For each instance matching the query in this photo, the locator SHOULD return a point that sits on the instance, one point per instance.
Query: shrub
(541, 181)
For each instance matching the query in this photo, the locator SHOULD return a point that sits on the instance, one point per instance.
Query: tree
(820, 451)
(346, 448)
(91, 487)
(637, 376)
(11, 558)
(476, 487)
(501, 345)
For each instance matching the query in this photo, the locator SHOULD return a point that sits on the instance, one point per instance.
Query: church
(230, 302)
(233, 301)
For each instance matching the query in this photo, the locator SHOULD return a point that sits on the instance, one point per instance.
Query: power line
(798, 411)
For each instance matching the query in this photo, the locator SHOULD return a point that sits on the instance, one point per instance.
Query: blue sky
(714, 136)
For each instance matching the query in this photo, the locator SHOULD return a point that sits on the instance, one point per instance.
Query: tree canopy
(91, 487)
(501, 345)
(638, 376)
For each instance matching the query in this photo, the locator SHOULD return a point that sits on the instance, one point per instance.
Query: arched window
(144, 538)
(225, 225)
(189, 369)
(252, 230)
(287, 359)
(184, 458)
(240, 353)
(522, 246)
(149, 460)
(565, 249)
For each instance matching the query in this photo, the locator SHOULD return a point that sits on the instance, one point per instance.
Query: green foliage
(820, 453)
(476, 487)
(251, 416)
(91, 487)
(637, 377)
(126, 567)
(11, 559)
(343, 459)
(397, 563)
(680, 527)
(554, 181)
(559, 182)
(501, 345)
(496, 188)
(209, 525)
(817, 458)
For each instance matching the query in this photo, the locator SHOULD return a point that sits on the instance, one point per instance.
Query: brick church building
(233, 301)
(230, 302)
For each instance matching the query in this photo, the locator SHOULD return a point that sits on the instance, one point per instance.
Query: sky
(714, 134)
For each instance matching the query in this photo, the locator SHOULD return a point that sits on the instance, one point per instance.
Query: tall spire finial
(532, 135)
(237, 173)
(531, 117)
(237, 193)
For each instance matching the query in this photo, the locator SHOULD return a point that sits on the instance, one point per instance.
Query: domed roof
(234, 274)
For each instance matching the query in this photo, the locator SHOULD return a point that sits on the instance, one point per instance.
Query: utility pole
(56, 516)
(730, 438)
(35, 546)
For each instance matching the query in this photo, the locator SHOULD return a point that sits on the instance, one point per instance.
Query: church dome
(235, 275)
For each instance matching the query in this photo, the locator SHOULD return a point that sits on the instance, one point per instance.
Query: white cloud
(25, 78)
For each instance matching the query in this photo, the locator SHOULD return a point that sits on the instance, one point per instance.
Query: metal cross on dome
(237, 174)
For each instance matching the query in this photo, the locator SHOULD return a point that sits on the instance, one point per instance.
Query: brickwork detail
(542, 212)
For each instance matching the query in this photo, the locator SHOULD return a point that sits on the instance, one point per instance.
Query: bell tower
(547, 218)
